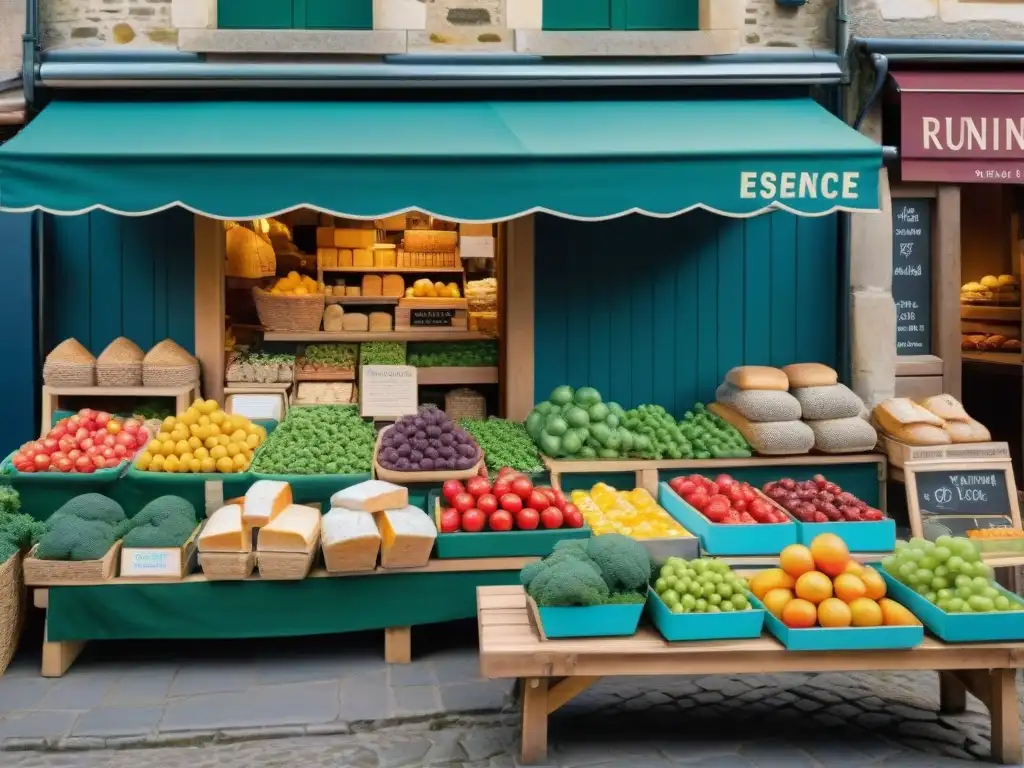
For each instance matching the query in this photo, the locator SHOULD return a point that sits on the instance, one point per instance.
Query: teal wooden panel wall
(19, 387)
(110, 276)
(657, 310)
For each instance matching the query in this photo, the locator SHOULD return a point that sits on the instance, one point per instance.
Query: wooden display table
(183, 397)
(171, 616)
(552, 673)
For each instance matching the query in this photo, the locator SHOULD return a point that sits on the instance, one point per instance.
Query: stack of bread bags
(756, 401)
(287, 534)
(836, 416)
(376, 516)
(937, 420)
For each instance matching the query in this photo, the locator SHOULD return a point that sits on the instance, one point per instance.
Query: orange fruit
(833, 612)
(831, 554)
(799, 614)
(849, 587)
(874, 583)
(776, 600)
(796, 560)
(895, 615)
(814, 587)
(766, 581)
(854, 567)
(866, 612)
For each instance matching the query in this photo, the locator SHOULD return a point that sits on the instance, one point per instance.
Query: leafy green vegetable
(505, 444)
(382, 353)
(165, 522)
(84, 528)
(18, 531)
(454, 354)
(333, 355)
(152, 409)
(603, 570)
(318, 440)
(700, 432)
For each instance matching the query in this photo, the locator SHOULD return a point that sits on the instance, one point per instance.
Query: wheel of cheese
(852, 435)
(759, 404)
(822, 403)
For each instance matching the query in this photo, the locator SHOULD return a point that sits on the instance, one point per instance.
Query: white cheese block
(264, 501)
(406, 537)
(224, 532)
(294, 530)
(350, 541)
(372, 496)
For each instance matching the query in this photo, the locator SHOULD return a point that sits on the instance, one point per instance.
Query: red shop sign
(962, 126)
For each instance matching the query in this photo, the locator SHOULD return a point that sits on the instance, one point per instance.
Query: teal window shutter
(677, 15)
(578, 14)
(254, 14)
(335, 14)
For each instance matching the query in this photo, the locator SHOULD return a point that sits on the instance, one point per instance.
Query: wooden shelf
(396, 270)
(357, 336)
(597, 466)
(998, 358)
(372, 300)
(459, 375)
(996, 314)
(120, 391)
(245, 387)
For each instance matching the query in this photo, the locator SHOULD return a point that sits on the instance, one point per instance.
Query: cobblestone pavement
(352, 709)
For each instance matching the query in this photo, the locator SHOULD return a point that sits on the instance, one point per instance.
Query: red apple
(41, 462)
(450, 520)
(527, 519)
(551, 518)
(488, 504)
(477, 486)
(537, 500)
(522, 487)
(573, 516)
(473, 520)
(502, 486)
(510, 502)
(500, 521)
(463, 502)
(451, 489)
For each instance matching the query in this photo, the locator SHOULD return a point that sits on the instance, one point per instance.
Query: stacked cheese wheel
(832, 411)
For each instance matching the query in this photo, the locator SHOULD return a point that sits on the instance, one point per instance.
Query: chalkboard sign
(958, 499)
(420, 318)
(912, 274)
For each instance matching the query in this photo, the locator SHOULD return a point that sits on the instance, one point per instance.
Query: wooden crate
(44, 573)
(168, 563)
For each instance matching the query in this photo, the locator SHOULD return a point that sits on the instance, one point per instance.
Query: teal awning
(469, 161)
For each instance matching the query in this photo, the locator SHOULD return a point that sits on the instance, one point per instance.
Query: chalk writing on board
(911, 275)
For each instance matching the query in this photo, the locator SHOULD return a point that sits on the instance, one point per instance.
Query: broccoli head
(576, 547)
(89, 506)
(72, 538)
(166, 521)
(568, 583)
(625, 564)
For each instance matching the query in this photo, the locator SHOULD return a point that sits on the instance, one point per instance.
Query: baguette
(969, 431)
(758, 377)
(946, 407)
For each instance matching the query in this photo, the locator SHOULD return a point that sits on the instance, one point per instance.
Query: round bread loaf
(821, 403)
(853, 435)
(759, 404)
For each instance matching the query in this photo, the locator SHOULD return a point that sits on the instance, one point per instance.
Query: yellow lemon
(218, 452)
(225, 465)
(210, 443)
(253, 441)
(196, 430)
(144, 461)
(204, 420)
(195, 442)
(195, 465)
(154, 447)
(223, 440)
(186, 457)
(207, 465)
(210, 406)
(233, 449)
(240, 462)
(171, 464)
(238, 436)
(252, 429)
(163, 436)
(167, 448)
(157, 465)
(181, 447)
(217, 417)
(200, 453)
(168, 424)
(213, 430)
(189, 417)
(197, 403)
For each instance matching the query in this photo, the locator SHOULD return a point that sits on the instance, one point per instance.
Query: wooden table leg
(398, 645)
(1005, 711)
(952, 694)
(535, 720)
(58, 656)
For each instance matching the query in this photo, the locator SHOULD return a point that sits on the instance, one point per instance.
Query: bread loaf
(759, 405)
(430, 241)
(820, 403)
(946, 407)
(334, 317)
(355, 321)
(384, 257)
(851, 435)
(327, 257)
(757, 377)
(381, 321)
(771, 438)
(372, 285)
(353, 290)
(362, 257)
(810, 375)
(967, 431)
(393, 286)
(904, 420)
(345, 257)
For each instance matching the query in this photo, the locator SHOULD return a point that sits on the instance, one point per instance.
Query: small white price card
(257, 407)
(387, 392)
(475, 247)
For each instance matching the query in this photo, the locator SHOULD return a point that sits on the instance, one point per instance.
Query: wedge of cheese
(350, 541)
(294, 530)
(406, 537)
(372, 496)
(264, 501)
(225, 532)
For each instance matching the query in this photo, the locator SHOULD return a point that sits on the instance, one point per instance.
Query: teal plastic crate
(960, 627)
(677, 627)
(591, 621)
(844, 638)
(43, 493)
(728, 540)
(877, 536)
(539, 543)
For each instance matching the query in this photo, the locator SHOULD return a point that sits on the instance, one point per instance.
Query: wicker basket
(12, 608)
(465, 404)
(70, 365)
(169, 365)
(285, 566)
(227, 566)
(120, 364)
(289, 313)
